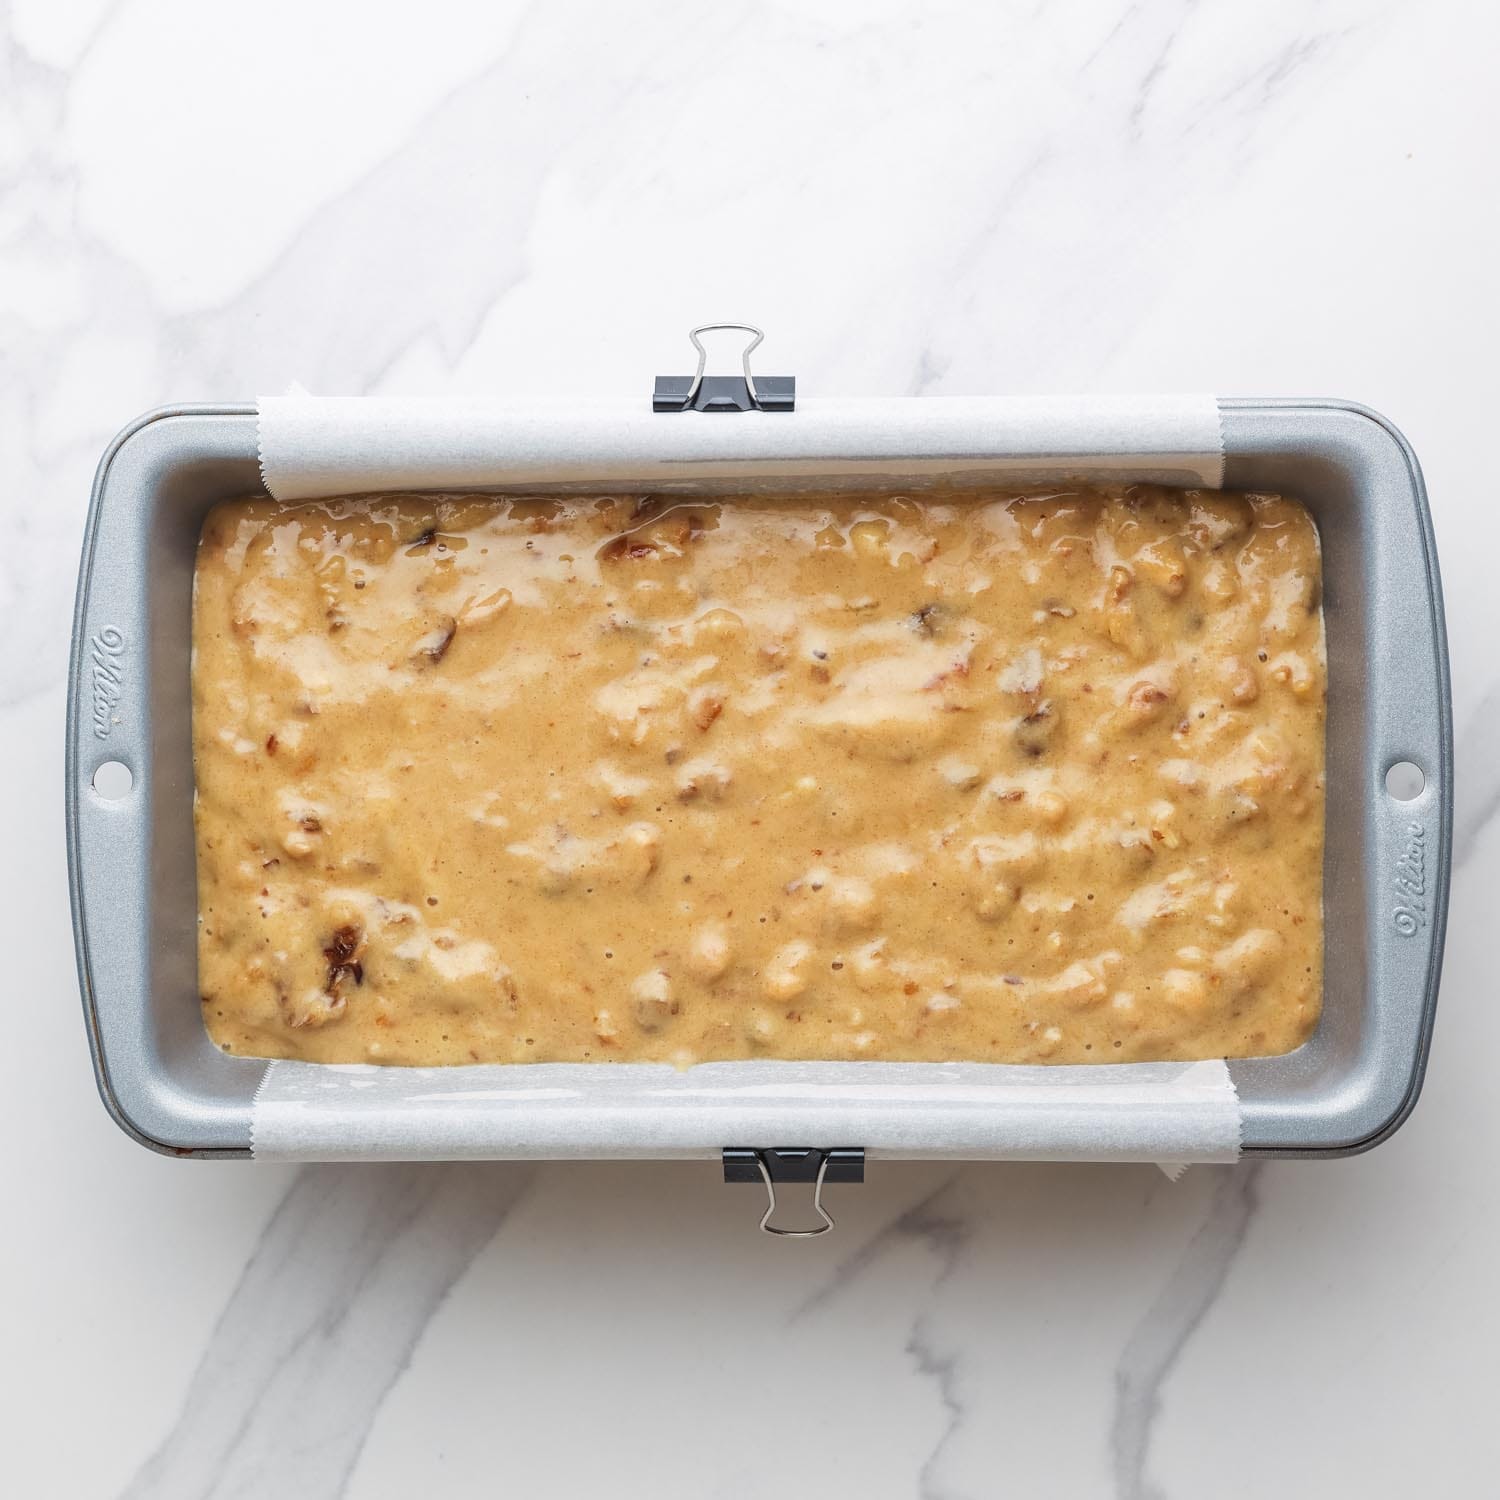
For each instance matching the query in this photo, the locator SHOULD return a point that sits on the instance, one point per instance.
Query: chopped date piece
(343, 945)
(1034, 733)
(342, 956)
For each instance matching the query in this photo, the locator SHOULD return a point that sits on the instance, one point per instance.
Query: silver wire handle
(765, 1172)
(749, 383)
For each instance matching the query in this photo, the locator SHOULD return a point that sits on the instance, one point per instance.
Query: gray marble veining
(321, 1325)
(1166, 1325)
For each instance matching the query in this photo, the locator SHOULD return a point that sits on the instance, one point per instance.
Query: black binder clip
(700, 392)
(801, 1164)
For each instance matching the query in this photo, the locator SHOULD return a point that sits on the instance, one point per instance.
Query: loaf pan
(131, 859)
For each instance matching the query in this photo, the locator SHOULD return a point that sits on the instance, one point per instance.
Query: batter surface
(979, 777)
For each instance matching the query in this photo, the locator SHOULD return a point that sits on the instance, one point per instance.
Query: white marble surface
(201, 202)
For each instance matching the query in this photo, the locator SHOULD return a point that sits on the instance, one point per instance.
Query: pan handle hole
(113, 780)
(1405, 781)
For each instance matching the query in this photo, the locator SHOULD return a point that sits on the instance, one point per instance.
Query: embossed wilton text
(1410, 914)
(107, 675)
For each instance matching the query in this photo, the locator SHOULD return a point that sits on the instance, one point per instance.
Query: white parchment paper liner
(1169, 1113)
(1162, 1112)
(314, 446)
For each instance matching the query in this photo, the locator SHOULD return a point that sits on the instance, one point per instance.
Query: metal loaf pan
(131, 861)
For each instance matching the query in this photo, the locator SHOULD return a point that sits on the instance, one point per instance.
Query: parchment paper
(1161, 1112)
(1169, 1113)
(315, 446)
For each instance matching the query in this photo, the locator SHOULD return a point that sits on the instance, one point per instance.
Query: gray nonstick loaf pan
(131, 858)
